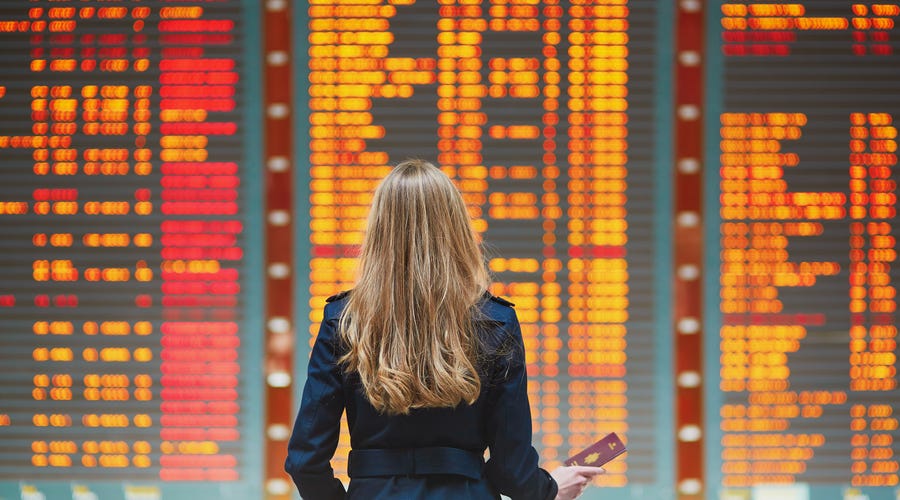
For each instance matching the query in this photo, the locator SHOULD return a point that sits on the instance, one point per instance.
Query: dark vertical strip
(278, 138)
(688, 250)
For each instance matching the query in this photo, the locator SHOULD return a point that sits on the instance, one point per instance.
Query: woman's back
(430, 452)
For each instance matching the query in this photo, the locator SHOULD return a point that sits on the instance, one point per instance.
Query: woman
(429, 367)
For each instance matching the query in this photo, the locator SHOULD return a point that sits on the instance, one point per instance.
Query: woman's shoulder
(338, 296)
(498, 324)
(335, 304)
(500, 336)
(494, 308)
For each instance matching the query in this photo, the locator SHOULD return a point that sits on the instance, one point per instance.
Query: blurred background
(691, 204)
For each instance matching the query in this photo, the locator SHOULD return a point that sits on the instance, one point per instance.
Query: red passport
(600, 452)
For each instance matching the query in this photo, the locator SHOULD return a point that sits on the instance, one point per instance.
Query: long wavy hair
(408, 324)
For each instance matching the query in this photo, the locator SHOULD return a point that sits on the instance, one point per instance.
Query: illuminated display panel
(122, 229)
(543, 114)
(806, 191)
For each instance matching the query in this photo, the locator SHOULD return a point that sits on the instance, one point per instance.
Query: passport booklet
(600, 452)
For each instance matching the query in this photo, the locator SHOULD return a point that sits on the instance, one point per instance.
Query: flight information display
(130, 228)
(544, 114)
(806, 193)
(123, 278)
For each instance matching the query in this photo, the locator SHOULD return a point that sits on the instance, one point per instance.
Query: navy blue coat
(500, 420)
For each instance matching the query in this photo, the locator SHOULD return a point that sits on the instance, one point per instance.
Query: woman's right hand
(573, 480)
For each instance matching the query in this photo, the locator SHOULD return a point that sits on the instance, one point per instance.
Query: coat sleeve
(513, 466)
(317, 428)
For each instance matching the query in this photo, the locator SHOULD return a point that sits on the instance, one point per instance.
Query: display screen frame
(53, 482)
(716, 62)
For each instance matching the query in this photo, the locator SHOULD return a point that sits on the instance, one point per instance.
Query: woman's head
(408, 322)
(419, 233)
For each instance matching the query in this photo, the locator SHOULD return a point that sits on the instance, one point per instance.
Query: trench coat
(498, 421)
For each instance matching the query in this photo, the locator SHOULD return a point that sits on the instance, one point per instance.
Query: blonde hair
(408, 324)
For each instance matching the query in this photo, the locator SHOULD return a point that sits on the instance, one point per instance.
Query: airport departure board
(545, 115)
(124, 284)
(131, 243)
(806, 193)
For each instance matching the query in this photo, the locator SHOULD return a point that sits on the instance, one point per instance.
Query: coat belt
(414, 462)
